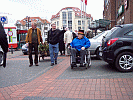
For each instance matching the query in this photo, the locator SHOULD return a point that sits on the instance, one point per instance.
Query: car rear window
(110, 32)
(98, 35)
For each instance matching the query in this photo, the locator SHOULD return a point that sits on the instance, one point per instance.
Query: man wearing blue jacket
(79, 45)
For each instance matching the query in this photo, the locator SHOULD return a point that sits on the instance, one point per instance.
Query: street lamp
(27, 21)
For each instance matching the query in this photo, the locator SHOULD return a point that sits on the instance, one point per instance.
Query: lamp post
(27, 21)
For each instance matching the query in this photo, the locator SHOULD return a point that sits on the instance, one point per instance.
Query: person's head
(53, 26)
(34, 24)
(80, 34)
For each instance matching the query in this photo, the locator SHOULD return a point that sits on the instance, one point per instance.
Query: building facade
(71, 17)
(118, 11)
(43, 24)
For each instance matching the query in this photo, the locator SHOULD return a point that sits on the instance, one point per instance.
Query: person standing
(3, 43)
(61, 43)
(68, 37)
(75, 34)
(33, 39)
(89, 34)
(53, 40)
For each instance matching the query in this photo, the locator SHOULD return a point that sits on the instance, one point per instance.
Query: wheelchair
(87, 59)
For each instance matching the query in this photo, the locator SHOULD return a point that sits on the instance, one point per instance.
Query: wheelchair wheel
(88, 62)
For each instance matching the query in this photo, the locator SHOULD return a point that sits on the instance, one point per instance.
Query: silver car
(1, 56)
(96, 42)
(25, 49)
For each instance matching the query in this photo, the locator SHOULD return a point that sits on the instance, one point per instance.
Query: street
(20, 82)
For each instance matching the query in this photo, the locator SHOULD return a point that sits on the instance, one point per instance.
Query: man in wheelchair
(79, 45)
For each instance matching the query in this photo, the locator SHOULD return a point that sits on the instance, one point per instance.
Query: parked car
(1, 56)
(117, 47)
(25, 49)
(96, 43)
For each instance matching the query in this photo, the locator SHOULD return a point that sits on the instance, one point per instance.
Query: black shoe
(52, 64)
(81, 65)
(55, 62)
(73, 64)
(36, 64)
(30, 65)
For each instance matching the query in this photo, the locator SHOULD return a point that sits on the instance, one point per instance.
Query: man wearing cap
(79, 44)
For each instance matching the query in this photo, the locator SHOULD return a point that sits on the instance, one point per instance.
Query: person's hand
(83, 48)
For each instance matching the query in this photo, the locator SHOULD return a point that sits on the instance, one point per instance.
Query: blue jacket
(79, 43)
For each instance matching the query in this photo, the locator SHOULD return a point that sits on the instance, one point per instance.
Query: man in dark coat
(3, 43)
(61, 42)
(53, 40)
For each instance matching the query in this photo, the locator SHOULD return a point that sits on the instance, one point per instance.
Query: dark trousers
(35, 46)
(75, 51)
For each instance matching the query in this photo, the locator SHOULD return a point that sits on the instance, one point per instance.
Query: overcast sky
(18, 9)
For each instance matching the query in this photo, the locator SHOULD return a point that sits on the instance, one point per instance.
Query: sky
(19, 9)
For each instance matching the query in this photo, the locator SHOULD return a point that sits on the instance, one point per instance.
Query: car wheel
(1, 58)
(124, 62)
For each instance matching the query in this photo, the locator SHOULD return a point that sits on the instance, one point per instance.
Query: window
(45, 28)
(57, 23)
(64, 15)
(64, 22)
(69, 23)
(64, 26)
(69, 15)
(79, 28)
(130, 33)
(79, 22)
(83, 22)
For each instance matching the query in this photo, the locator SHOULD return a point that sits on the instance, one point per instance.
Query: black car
(117, 47)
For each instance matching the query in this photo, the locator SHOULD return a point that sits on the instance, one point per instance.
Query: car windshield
(98, 35)
(111, 31)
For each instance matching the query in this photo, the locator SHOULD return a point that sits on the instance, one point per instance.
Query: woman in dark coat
(61, 42)
(3, 43)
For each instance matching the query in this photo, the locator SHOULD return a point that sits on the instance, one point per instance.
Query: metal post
(11, 49)
(28, 22)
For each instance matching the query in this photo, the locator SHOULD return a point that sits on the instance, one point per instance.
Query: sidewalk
(49, 87)
(15, 53)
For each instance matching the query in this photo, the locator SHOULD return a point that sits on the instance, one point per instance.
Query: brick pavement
(47, 85)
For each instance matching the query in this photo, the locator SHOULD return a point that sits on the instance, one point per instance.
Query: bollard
(11, 49)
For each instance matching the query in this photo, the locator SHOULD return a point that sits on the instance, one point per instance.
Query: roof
(75, 9)
(23, 21)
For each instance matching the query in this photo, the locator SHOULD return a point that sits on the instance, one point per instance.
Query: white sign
(3, 19)
(10, 33)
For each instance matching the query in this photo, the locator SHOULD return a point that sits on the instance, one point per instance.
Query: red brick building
(118, 11)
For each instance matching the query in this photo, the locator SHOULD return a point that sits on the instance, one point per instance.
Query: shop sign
(10, 33)
(121, 10)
